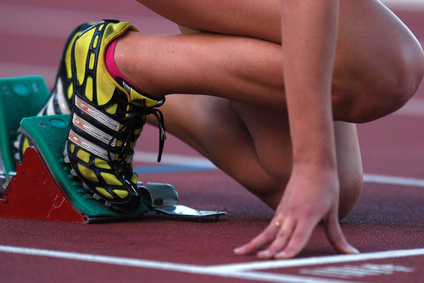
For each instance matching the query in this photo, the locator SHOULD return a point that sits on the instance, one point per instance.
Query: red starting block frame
(33, 194)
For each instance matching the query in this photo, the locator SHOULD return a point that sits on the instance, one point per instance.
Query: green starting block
(19, 97)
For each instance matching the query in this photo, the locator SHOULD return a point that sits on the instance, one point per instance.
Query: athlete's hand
(311, 196)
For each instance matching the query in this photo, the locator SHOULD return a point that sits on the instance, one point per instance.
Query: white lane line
(240, 270)
(319, 260)
(174, 159)
(390, 180)
(404, 4)
(414, 108)
(178, 267)
(99, 258)
(274, 277)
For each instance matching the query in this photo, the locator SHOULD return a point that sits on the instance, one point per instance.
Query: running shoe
(107, 118)
(60, 100)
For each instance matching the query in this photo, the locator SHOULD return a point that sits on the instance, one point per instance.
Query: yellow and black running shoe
(60, 100)
(107, 118)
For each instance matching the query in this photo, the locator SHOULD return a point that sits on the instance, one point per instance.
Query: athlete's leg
(230, 134)
(233, 67)
(253, 18)
(379, 63)
(271, 138)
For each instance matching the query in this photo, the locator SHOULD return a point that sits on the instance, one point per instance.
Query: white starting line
(241, 270)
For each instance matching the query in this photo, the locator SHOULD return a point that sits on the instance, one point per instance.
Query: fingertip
(282, 255)
(351, 250)
(240, 250)
(264, 255)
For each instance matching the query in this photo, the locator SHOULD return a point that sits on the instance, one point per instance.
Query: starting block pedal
(42, 186)
(162, 199)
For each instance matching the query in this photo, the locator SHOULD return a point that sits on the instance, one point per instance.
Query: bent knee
(400, 86)
(374, 101)
(366, 95)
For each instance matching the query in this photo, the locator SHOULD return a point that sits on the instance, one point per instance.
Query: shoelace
(161, 125)
(128, 129)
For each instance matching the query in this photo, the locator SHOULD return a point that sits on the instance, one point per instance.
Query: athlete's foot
(107, 118)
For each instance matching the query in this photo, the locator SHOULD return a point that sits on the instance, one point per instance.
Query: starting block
(19, 97)
(43, 188)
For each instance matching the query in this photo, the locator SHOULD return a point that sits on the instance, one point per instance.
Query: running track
(386, 226)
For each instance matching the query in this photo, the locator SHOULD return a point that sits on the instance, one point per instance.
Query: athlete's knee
(403, 79)
(388, 96)
(373, 95)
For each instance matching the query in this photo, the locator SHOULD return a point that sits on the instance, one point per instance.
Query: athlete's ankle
(123, 63)
(113, 68)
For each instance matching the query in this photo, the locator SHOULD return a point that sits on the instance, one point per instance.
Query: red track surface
(388, 218)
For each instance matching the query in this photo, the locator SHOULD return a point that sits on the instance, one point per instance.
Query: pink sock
(112, 68)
